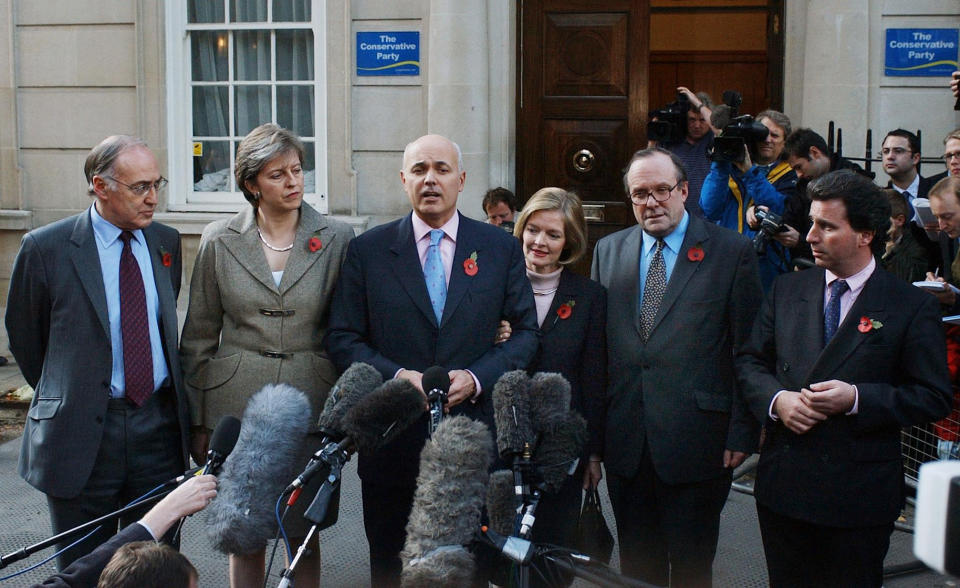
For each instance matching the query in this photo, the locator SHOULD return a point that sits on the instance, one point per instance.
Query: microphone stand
(522, 465)
(334, 457)
(25, 552)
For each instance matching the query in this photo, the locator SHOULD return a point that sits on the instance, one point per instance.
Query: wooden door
(582, 102)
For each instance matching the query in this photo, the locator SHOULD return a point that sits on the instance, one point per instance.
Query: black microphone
(501, 502)
(222, 442)
(356, 382)
(379, 417)
(451, 488)
(275, 423)
(375, 420)
(436, 385)
(549, 400)
(511, 413)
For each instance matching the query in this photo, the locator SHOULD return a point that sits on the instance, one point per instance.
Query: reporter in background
(499, 206)
(571, 313)
(191, 496)
(259, 302)
(904, 256)
(731, 188)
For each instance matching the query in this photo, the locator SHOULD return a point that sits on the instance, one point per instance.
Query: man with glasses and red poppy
(92, 322)
(682, 293)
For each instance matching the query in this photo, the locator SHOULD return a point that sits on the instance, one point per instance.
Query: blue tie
(831, 314)
(433, 274)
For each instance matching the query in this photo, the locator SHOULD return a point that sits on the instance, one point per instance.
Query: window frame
(179, 106)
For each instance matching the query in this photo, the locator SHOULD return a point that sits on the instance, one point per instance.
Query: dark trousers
(804, 554)
(140, 450)
(385, 513)
(668, 532)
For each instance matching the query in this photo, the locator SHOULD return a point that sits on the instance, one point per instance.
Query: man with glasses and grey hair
(682, 293)
(92, 322)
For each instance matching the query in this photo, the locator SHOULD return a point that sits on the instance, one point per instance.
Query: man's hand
(503, 333)
(462, 388)
(795, 414)
(732, 459)
(199, 443)
(946, 297)
(830, 398)
(752, 221)
(788, 238)
(745, 165)
(186, 499)
(592, 474)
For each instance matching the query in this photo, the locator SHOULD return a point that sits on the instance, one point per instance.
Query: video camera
(739, 132)
(771, 223)
(671, 123)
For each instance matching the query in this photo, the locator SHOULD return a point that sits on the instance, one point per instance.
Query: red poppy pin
(470, 264)
(315, 244)
(165, 257)
(695, 253)
(565, 310)
(868, 324)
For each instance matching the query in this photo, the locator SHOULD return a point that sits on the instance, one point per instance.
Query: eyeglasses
(660, 194)
(142, 188)
(951, 155)
(898, 151)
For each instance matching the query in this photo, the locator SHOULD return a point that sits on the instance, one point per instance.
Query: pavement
(24, 522)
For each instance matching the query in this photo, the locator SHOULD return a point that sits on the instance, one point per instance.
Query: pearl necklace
(271, 247)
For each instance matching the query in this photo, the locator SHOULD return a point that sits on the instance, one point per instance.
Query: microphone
(222, 442)
(436, 385)
(451, 488)
(720, 116)
(379, 417)
(241, 518)
(558, 453)
(511, 413)
(501, 502)
(549, 400)
(356, 382)
(375, 420)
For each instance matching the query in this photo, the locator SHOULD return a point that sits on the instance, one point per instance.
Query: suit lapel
(86, 259)
(847, 339)
(244, 245)
(683, 269)
(301, 258)
(565, 293)
(164, 285)
(409, 272)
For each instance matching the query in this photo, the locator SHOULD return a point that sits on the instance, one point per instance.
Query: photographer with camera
(747, 170)
(683, 128)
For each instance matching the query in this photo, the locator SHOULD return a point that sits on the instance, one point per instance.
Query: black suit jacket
(847, 470)
(85, 572)
(381, 315)
(677, 392)
(576, 347)
(60, 336)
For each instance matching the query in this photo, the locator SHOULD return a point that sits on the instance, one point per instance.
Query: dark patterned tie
(434, 275)
(831, 314)
(653, 289)
(137, 360)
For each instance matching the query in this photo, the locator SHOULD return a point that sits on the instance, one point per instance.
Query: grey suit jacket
(676, 392)
(60, 336)
(243, 332)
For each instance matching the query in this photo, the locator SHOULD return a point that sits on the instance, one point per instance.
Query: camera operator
(755, 175)
(683, 128)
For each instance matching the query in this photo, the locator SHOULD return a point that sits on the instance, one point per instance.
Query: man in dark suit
(840, 358)
(675, 425)
(427, 289)
(92, 322)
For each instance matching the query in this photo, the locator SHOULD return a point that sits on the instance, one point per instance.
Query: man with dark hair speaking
(840, 358)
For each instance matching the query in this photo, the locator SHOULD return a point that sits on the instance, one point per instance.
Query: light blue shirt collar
(106, 232)
(673, 241)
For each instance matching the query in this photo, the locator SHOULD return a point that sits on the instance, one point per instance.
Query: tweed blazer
(243, 331)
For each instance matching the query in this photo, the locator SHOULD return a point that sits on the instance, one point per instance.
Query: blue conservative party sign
(388, 54)
(921, 52)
